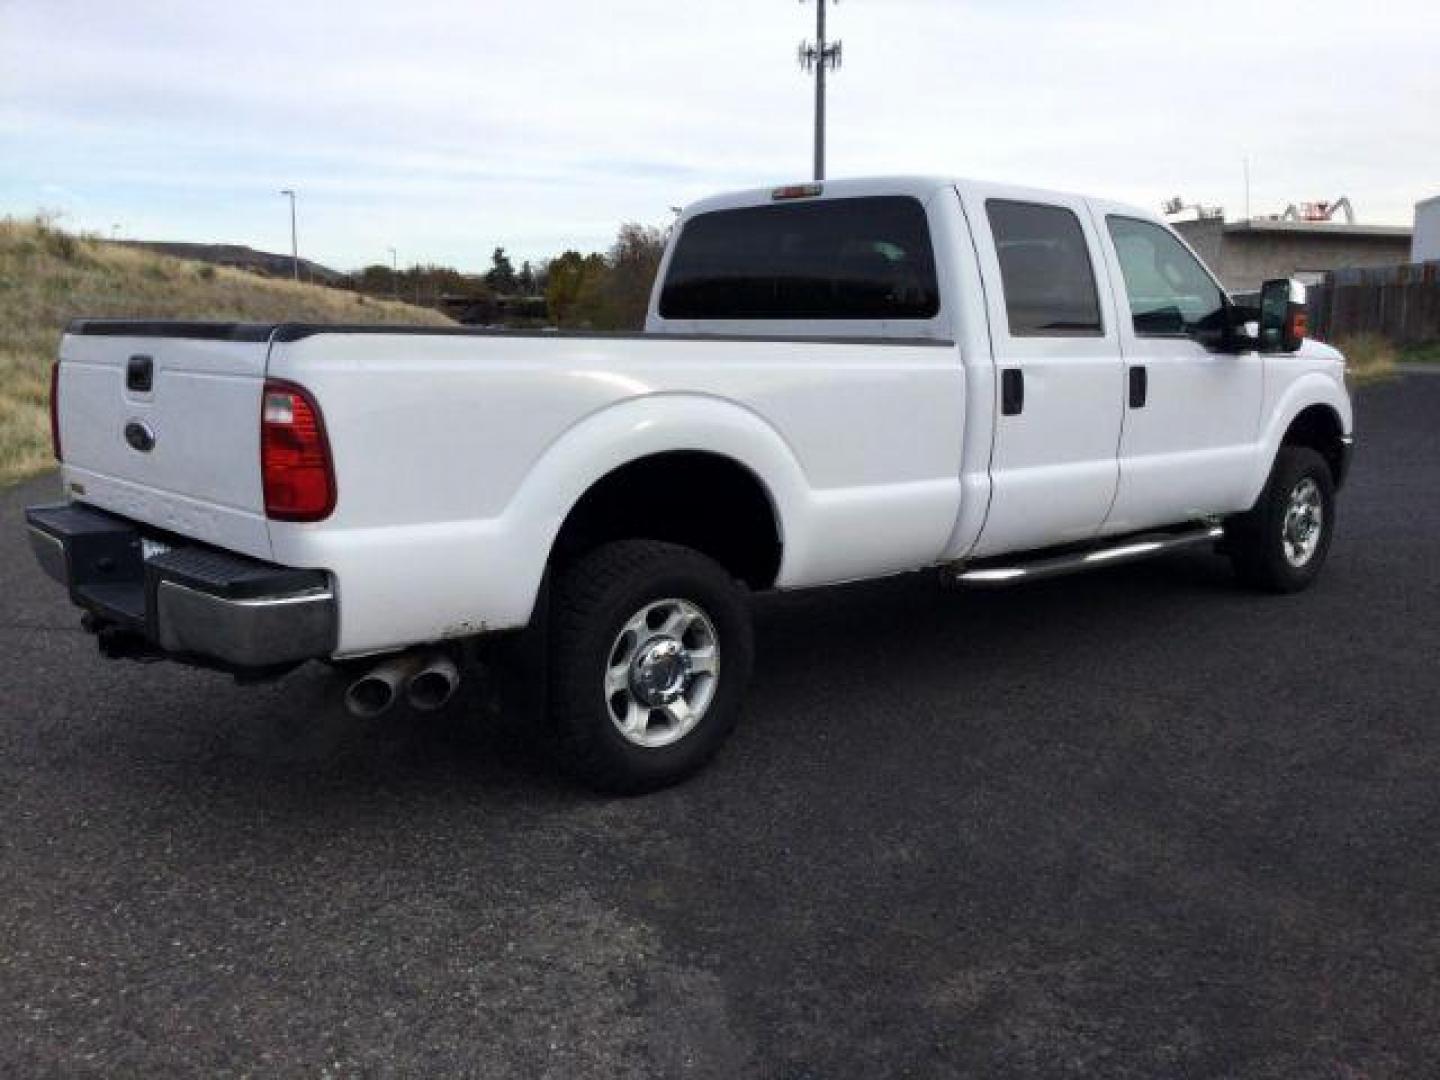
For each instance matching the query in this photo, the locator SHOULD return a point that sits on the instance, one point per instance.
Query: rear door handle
(1139, 387)
(1012, 392)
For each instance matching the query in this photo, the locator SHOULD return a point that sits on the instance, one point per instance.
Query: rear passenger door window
(1045, 270)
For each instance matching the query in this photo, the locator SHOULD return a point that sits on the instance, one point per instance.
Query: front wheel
(1281, 544)
(650, 651)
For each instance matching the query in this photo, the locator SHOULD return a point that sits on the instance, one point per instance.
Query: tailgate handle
(140, 374)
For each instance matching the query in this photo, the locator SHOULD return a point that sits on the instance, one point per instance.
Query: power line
(819, 57)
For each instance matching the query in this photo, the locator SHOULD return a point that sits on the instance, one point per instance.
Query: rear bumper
(189, 602)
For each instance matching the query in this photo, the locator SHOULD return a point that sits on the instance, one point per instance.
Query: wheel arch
(699, 499)
(1314, 406)
(603, 444)
(1320, 428)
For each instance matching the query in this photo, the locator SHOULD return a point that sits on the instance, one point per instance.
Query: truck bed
(457, 453)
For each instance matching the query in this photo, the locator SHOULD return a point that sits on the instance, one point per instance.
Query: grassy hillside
(48, 277)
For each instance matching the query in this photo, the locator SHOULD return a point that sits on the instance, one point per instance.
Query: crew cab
(836, 381)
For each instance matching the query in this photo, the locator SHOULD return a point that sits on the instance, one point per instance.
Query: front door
(1192, 410)
(1059, 373)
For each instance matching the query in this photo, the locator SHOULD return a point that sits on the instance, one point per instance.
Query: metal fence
(1399, 303)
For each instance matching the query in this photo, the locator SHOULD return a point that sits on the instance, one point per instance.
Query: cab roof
(923, 188)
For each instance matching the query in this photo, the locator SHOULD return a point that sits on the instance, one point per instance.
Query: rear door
(163, 427)
(1059, 373)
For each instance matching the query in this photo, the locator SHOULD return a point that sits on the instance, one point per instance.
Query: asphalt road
(1136, 824)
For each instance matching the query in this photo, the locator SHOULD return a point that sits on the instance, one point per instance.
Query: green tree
(562, 286)
(632, 262)
(595, 302)
(574, 290)
(501, 277)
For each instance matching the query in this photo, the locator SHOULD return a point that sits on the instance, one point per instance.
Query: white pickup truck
(835, 382)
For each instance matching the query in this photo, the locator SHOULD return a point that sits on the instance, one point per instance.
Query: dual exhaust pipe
(427, 681)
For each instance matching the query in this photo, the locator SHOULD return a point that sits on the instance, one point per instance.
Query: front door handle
(1139, 387)
(1012, 392)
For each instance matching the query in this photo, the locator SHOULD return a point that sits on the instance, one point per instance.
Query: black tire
(1256, 540)
(595, 598)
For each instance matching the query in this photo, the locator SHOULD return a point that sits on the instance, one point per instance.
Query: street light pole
(294, 244)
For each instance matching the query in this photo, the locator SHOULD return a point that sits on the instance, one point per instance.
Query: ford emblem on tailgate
(139, 435)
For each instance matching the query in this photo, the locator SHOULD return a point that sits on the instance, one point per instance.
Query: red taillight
(55, 409)
(294, 455)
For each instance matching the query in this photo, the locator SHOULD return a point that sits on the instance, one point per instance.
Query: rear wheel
(1281, 544)
(650, 651)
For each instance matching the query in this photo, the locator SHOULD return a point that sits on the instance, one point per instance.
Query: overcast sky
(445, 127)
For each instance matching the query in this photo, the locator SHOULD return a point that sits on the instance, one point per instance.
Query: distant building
(1245, 254)
(1426, 245)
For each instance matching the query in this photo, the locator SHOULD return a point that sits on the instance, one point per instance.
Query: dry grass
(1368, 358)
(48, 277)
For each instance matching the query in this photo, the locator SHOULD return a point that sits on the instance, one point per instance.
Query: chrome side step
(994, 573)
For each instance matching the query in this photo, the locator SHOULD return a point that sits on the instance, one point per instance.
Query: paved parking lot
(1137, 824)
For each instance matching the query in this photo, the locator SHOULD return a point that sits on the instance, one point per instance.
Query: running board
(1036, 568)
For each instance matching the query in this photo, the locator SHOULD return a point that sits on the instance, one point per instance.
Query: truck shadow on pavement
(825, 659)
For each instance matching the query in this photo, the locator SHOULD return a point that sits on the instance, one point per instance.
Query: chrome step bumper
(149, 596)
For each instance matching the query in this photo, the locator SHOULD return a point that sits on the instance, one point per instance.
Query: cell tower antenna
(819, 57)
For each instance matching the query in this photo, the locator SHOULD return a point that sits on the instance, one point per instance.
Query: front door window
(1170, 292)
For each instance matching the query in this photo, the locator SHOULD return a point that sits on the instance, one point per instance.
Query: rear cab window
(863, 258)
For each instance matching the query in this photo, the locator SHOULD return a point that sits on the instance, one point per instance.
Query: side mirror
(1242, 326)
(1282, 315)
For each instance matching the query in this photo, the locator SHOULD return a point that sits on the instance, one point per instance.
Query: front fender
(1311, 388)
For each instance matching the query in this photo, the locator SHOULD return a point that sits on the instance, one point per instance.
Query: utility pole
(394, 276)
(294, 244)
(819, 57)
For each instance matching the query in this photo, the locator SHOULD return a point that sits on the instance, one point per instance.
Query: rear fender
(635, 429)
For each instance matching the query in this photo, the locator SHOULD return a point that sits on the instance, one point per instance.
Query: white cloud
(445, 128)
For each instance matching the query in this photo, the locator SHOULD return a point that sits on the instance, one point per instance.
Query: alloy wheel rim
(1304, 522)
(662, 672)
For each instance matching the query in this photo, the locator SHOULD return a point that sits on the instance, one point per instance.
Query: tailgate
(162, 425)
